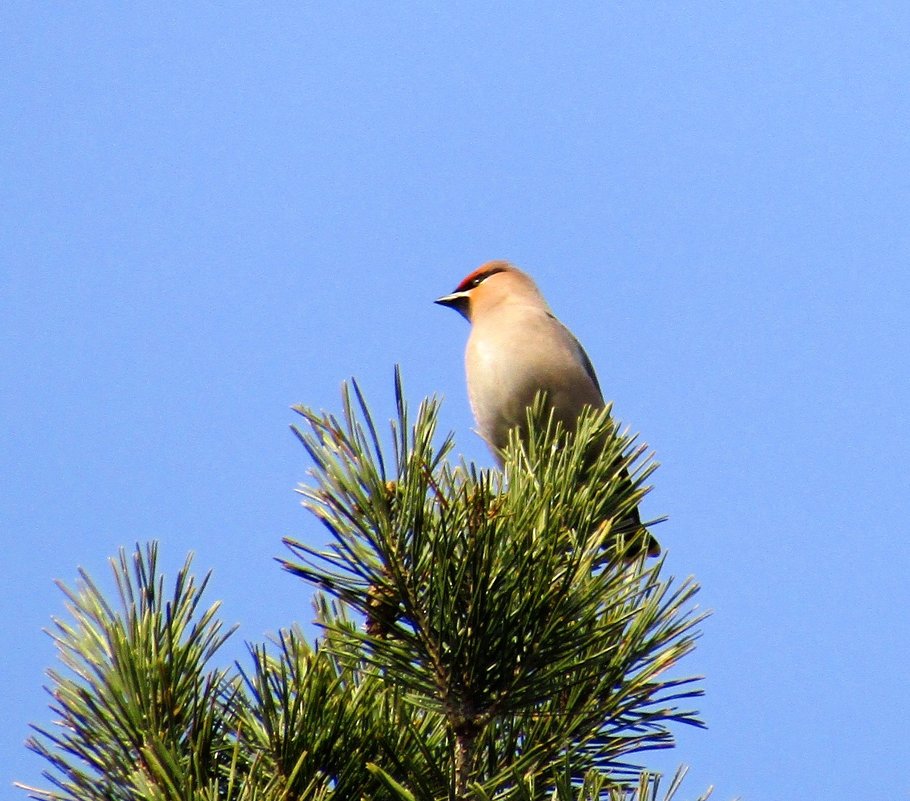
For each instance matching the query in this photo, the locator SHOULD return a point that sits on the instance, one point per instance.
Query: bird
(517, 348)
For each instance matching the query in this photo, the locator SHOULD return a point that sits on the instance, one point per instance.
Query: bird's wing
(589, 368)
(585, 361)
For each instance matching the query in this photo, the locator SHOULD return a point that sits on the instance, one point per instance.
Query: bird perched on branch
(517, 348)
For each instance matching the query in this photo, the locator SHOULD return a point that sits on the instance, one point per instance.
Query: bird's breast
(508, 364)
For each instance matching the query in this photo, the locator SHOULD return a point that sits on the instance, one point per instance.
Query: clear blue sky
(211, 212)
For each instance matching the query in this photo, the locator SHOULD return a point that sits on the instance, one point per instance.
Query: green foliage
(515, 615)
(482, 638)
(139, 716)
(317, 726)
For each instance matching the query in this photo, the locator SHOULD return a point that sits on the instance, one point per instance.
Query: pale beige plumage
(516, 348)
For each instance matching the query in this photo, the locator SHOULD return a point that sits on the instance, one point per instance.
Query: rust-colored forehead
(484, 271)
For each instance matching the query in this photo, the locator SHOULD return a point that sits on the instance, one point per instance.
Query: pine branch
(517, 645)
(139, 715)
(317, 724)
(512, 610)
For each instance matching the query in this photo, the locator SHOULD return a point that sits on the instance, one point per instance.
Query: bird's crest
(482, 273)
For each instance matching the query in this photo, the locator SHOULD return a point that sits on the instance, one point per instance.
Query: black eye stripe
(475, 280)
(483, 277)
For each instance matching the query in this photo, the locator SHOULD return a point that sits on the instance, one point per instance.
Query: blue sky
(210, 213)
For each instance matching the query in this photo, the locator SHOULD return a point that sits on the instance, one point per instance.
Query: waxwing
(516, 348)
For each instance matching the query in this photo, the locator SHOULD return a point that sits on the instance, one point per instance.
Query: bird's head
(488, 286)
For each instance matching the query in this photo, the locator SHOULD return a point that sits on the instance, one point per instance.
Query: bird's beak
(460, 301)
(454, 300)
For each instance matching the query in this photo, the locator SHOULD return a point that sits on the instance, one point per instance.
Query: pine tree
(483, 636)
